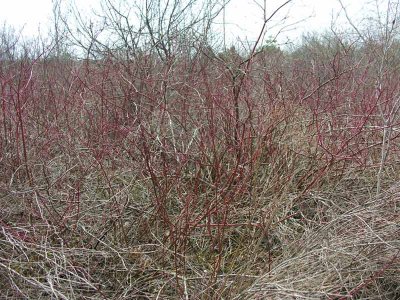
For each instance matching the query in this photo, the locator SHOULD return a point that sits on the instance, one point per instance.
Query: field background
(160, 163)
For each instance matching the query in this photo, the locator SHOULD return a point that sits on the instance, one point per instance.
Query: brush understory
(337, 240)
(147, 183)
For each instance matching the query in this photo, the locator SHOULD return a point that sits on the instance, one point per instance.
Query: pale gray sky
(244, 17)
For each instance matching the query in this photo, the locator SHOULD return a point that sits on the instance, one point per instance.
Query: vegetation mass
(147, 160)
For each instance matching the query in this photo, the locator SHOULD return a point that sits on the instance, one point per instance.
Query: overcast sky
(244, 17)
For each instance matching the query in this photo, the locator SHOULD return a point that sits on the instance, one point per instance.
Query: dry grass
(355, 255)
(343, 243)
